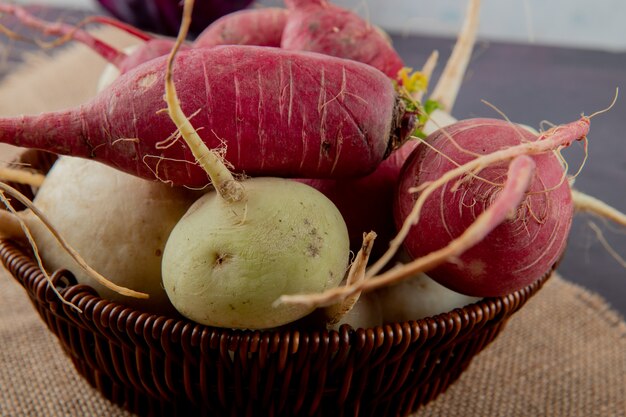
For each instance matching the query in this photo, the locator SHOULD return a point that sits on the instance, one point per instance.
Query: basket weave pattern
(161, 366)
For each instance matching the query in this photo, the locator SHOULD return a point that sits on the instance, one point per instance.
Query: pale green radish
(225, 263)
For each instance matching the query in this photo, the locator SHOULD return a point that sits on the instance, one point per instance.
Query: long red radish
(319, 26)
(277, 112)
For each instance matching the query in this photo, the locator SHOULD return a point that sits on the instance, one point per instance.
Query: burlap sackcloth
(563, 354)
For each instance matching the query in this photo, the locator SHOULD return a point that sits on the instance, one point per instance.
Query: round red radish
(517, 252)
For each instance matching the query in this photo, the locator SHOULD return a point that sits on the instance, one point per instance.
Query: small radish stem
(66, 33)
(519, 177)
(427, 71)
(355, 275)
(97, 276)
(447, 88)
(584, 203)
(223, 181)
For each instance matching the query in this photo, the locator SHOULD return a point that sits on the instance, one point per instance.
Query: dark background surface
(529, 84)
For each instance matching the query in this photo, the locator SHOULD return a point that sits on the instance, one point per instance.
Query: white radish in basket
(239, 248)
(118, 224)
(418, 297)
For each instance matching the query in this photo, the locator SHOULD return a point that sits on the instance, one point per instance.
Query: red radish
(278, 112)
(262, 27)
(318, 26)
(516, 253)
(375, 192)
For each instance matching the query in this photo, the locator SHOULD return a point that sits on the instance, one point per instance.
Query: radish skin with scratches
(319, 26)
(117, 223)
(278, 112)
(519, 176)
(556, 138)
(518, 252)
(583, 203)
(258, 26)
(236, 250)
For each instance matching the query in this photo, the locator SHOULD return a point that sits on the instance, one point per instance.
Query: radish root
(584, 203)
(65, 32)
(606, 244)
(447, 88)
(33, 244)
(520, 174)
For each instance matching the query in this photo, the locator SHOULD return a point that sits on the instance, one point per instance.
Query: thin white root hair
(355, 275)
(519, 177)
(607, 245)
(66, 246)
(447, 88)
(584, 203)
(33, 244)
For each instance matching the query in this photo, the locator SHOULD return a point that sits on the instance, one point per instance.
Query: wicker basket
(155, 365)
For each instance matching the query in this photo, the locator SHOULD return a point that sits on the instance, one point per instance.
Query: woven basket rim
(86, 298)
